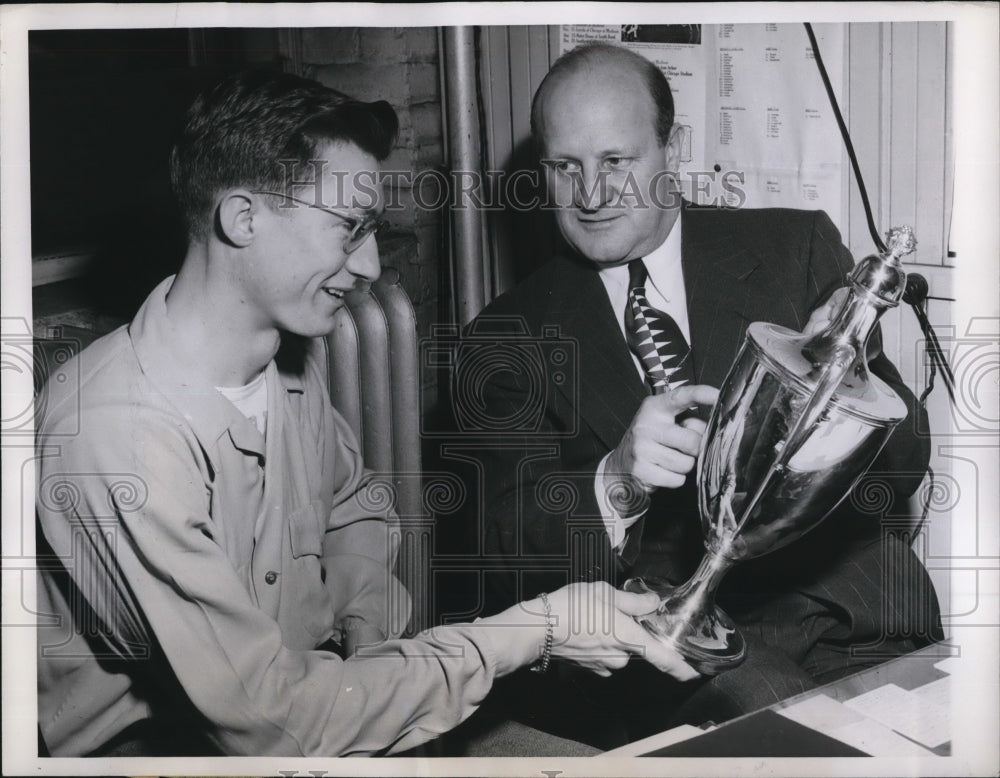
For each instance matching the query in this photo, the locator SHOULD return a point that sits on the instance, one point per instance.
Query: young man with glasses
(214, 553)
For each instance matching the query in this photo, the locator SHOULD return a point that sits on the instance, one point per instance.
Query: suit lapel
(609, 387)
(727, 286)
(724, 285)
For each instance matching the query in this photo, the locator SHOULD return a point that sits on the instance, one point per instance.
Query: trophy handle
(815, 406)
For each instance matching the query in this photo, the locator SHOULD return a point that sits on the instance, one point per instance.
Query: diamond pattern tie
(654, 336)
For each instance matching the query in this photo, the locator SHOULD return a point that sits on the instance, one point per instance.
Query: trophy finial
(900, 242)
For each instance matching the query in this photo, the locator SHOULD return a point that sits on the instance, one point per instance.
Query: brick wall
(399, 65)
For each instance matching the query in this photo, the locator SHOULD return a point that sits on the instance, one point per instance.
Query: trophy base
(702, 633)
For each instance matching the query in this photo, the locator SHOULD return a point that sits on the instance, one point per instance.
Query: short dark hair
(595, 53)
(237, 132)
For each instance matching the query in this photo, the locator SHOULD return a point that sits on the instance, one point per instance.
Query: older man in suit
(601, 485)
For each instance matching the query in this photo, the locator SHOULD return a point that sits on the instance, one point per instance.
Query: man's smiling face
(605, 165)
(301, 270)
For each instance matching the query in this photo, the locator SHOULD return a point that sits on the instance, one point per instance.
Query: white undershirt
(665, 292)
(250, 400)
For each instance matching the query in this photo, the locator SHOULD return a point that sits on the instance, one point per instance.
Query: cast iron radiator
(375, 384)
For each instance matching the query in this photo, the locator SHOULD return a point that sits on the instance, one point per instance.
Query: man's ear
(672, 151)
(235, 217)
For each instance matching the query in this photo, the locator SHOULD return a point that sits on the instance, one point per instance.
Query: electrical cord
(847, 139)
(916, 290)
(915, 294)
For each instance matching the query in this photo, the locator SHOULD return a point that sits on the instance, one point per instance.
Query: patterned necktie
(654, 336)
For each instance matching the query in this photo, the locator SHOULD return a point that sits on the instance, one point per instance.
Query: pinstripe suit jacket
(539, 510)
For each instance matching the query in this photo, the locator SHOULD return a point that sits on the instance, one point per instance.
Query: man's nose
(363, 262)
(592, 189)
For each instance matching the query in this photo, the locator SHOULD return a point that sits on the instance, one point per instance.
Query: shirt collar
(662, 263)
(164, 360)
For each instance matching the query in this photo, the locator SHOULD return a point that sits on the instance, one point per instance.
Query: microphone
(916, 289)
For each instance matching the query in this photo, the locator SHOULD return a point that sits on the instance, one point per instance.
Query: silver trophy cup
(798, 421)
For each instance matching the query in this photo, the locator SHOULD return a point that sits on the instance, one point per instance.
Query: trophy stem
(697, 594)
(689, 621)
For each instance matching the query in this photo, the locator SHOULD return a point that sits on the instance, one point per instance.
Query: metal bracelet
(543, 663)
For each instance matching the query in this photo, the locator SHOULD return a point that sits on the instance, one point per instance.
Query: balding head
(613, 63)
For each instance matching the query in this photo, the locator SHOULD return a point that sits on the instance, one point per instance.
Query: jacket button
(270, 577)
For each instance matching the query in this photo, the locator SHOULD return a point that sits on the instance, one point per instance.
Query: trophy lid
(860, 394)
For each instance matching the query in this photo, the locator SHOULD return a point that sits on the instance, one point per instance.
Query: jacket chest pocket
(305, 530)
(305, 615)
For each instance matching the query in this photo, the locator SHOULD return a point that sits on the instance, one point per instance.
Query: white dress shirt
(665, 292)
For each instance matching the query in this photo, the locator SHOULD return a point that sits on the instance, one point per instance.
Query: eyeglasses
(359, 229)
